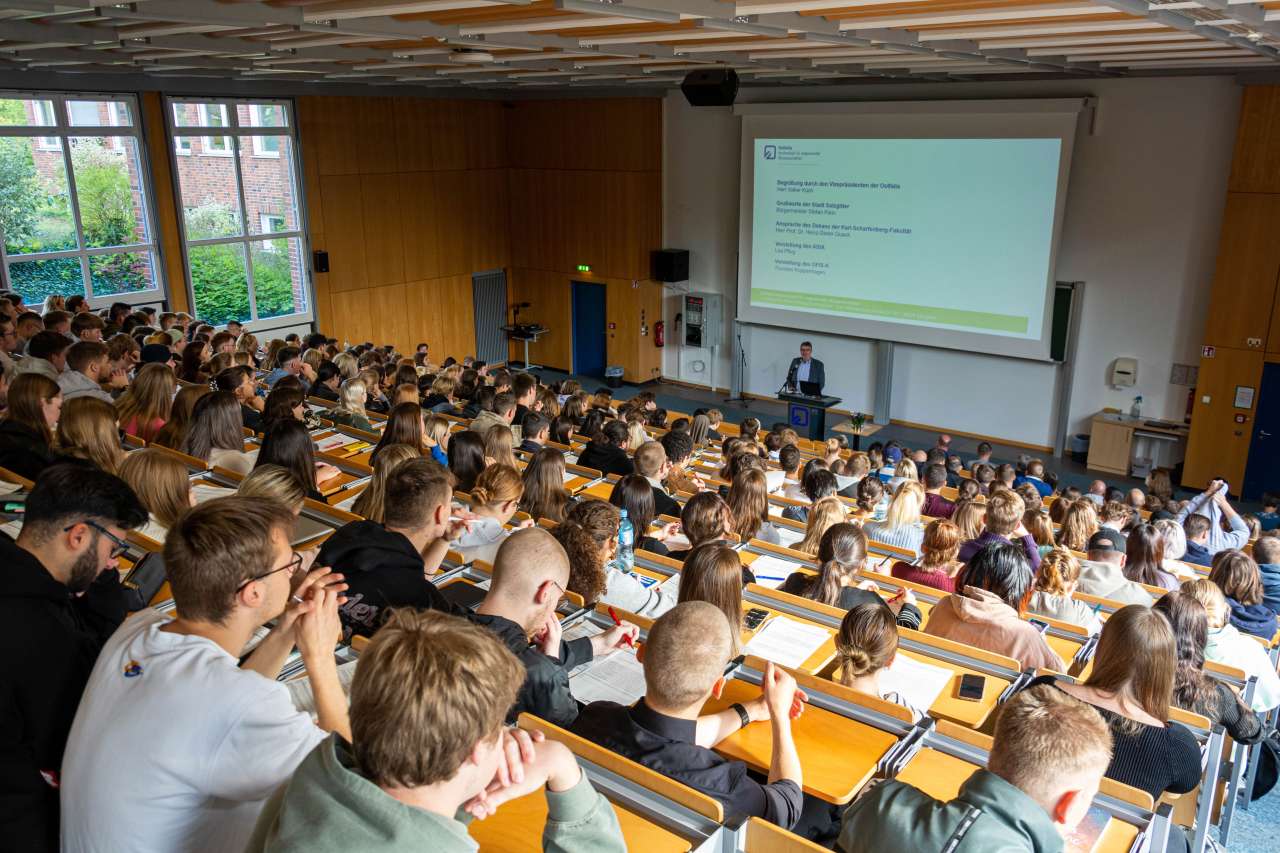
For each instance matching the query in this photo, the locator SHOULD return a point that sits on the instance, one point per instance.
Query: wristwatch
(742, 713)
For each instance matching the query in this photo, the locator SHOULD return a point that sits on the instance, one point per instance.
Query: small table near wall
(868, 429)
(1115, 436)
(526, 333)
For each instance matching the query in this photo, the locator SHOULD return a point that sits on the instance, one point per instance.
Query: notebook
(786, 641)
(919, 684)
(300, 688)
(771, 571)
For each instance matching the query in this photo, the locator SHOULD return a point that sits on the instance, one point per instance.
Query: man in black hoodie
(387, 565)
(62, 596)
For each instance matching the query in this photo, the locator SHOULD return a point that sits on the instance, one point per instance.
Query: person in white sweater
(494, 501)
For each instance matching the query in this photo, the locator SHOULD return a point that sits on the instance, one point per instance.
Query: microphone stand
(742, 374)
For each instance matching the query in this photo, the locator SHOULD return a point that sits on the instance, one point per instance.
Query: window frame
(235, 132)
(64, 130)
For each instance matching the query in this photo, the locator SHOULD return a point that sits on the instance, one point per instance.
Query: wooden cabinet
(1219, 444)
(1109, 447)
(1244, 281)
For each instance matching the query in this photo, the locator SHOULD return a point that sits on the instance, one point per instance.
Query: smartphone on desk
(1041, 625)
(754, 617)
(971, 687)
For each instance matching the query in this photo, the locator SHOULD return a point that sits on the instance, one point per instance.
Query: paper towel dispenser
(1124, 372)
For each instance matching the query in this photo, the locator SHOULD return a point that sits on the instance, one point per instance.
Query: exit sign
(584, 267)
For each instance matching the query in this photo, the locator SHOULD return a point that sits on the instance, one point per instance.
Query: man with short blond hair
(427, 706)
(651, 463)
(1047, 760)
(1004, 524)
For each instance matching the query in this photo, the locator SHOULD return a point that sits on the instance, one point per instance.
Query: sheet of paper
(300, 688)
(7, 488)
(671, 587)
(789, 536)
(332, 441)
(919, 684)
(12, 528)
(775, 478)
(786, 641)
(771, 571)
(616, 678)
(204, 492)
(569, 475)
(571, 459)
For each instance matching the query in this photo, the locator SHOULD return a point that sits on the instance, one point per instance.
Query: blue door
(1263, 471)
(588, 328)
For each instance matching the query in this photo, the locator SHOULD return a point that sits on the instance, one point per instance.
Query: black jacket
(545, 691)
(40, 686)
(382, 570)
(324, 392)
(251, 418)
(797, 583)
(23, 451)
(663, 503)
(607, 458)
(531, 446)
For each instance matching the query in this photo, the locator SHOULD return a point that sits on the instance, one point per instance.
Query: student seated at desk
(748, 502)
(705, 518)
(789, 459)
(530, 575)
(651, 463)
(606, 452)
(865, 646)
(289, 445)
(684, 659)
(1144, 558)
(938, 564)
(216, 433)
(901, 526)
(429, 753)
(63, 597)
(818, 484)
(1004, 524)
(494, 500)
(161, 481)
(987, 609)
(499, 446)
(544, 493)
(1227, 645)
(713, 573)
(87, 432)
(826, 512)
(843, 554)
(173, 733)
(1102, 574)
(1192, 689)
(1266, 551)
(1237, 575)
(404, 426)
(372, 501)
(1202, 518)
(589, 535)
(387, 564)
(679, 449)
(536, 429)
(350, 410)
(1047, 760)
(1057, 580)
(635, 494)
(871, 499)
(1131, 685)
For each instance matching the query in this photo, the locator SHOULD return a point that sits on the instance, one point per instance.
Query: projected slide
(951, 234)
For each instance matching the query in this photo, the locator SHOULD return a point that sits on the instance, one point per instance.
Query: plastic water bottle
(1135, 411)
(626, 544)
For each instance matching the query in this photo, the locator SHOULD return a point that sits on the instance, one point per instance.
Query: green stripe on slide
(895, 310)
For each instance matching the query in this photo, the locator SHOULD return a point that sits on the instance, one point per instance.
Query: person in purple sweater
(1004, 524)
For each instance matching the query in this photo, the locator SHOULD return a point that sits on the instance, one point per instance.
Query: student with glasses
(177, 744)
(62, 596)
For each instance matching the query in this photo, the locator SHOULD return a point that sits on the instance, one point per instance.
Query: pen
(617, 621)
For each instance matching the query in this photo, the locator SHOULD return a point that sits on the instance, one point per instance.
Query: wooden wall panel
(1218, 446)
(441, 313)
(352, 135)
(343, 204)
(598, 134)
(1244, 282)
(384, 243)
(1256, 165)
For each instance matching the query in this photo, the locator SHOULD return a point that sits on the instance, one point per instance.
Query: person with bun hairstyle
(495, 498)
(938, 564)
(866, 645)
(1057, 579)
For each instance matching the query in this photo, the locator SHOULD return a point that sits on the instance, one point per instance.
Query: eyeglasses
(291, 567)
(119, 546)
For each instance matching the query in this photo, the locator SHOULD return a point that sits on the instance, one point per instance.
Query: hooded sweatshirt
(1257, 619)
(75, 384)
(979, 618)
(382, 570)
(1106, 580)
(329, 807)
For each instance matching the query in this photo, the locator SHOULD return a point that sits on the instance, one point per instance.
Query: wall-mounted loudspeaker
(670, 264)
(710, 87)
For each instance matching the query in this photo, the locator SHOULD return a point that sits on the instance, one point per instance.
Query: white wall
(1144, 206)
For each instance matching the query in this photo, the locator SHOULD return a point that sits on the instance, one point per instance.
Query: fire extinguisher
(660, 333)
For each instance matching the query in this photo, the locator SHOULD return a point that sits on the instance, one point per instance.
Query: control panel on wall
(703, 318)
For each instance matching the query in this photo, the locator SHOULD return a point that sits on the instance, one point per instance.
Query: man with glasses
(177, 743)
(60, 602)
(529, 576)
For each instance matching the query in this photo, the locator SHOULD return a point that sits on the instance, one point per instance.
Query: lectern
(807, 414)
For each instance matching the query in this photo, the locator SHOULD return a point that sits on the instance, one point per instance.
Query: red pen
(617, 621)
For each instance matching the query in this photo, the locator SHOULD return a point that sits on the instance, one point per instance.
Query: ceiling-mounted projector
(470, 56)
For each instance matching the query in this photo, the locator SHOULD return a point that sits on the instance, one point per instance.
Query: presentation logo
(771, 152)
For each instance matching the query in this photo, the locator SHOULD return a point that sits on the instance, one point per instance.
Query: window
(245, 247)
(74, 205)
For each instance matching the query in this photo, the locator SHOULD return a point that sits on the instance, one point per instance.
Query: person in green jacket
(430, 753)
(1047, 759)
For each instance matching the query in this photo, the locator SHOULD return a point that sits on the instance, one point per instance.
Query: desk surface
(839, 755)
(868, 429)
(517, 826)
(1144, 424)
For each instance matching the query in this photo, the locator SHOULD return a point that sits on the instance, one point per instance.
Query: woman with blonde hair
(163, 485)
(969, 517)
(145, 406)
(544, 492)
(498, 442)
(87, 430)
(495, 498)
(370, 502)
(1175, 548)
(749, 507)
(248, 343)
(824, 513)
(905, 472)
(276, 483)
(636, 434)
(1056, 583)
(436, 437)
(1080, 523)
(350, 410)
(901, 526)
(1041, 529)
(938, 564)
(866, 645)
(713, 573)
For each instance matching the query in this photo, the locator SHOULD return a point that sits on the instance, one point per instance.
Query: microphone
(791, 377)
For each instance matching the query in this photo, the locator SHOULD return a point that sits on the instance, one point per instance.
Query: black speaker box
(710, 87)
(670, 264)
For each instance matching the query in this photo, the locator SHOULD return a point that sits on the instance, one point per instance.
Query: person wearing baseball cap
(1102, 574)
